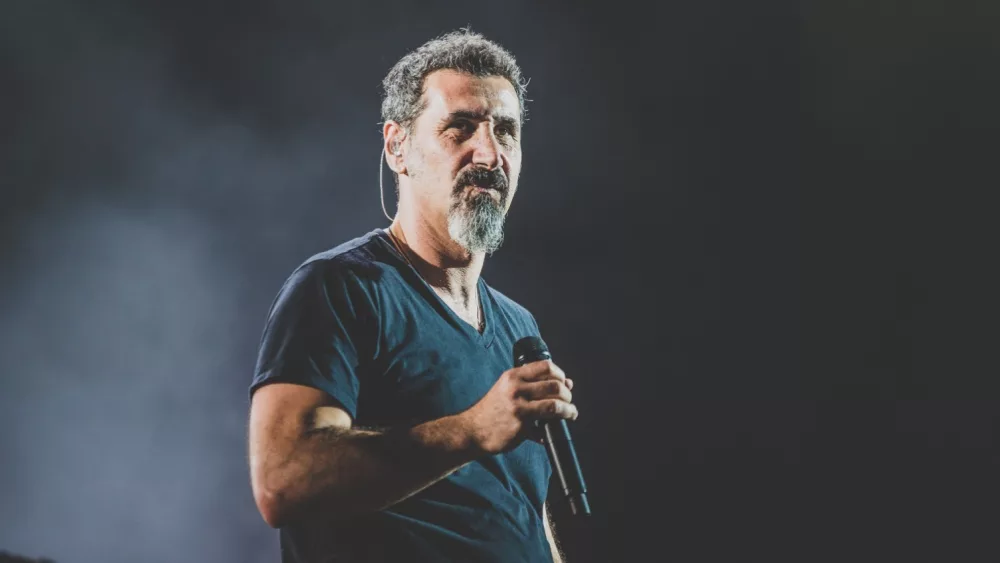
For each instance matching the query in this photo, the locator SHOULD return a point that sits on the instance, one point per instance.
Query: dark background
(756, 234)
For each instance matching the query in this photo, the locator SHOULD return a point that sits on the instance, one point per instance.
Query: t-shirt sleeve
(533, 324)
(315, 334)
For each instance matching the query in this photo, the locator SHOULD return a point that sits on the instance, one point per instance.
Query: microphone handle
(562, 455)
(566, 466)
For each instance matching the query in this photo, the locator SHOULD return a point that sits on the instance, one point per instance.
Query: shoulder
(360, 260)
(343, 278)
(512, 308)
(364, 256)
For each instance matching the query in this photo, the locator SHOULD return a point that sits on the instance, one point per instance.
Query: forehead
(446, 91)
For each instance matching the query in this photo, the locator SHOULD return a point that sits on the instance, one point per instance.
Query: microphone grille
(530, 347)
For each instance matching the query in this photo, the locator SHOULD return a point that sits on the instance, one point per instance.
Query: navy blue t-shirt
(359, 323)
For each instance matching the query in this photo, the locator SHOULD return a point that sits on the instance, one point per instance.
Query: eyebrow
(482, 116)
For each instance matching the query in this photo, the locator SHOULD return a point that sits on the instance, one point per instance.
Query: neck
(443, 263)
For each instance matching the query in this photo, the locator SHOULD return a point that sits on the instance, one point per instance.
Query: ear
(393, 136)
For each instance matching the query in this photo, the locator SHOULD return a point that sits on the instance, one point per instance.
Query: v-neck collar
(485, 337)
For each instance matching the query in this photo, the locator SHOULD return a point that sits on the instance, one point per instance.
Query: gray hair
(461, 50)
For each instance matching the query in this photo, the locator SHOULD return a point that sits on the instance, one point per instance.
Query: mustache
(479, 176)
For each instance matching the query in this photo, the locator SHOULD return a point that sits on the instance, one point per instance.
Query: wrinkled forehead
(449, 91)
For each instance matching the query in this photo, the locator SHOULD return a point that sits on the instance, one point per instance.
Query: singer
(388, 421)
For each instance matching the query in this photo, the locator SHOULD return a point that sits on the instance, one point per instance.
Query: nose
(488, 150)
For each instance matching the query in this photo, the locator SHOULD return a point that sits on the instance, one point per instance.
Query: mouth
(475, 189)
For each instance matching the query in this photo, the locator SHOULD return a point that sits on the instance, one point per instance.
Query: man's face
(464, 156)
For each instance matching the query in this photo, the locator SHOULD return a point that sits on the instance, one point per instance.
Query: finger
(569, 383)
(550, 409)
(548, 389)
(538, 371)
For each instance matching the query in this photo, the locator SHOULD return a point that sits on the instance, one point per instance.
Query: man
(387, 421)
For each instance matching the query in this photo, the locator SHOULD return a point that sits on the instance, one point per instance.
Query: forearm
(354, 471)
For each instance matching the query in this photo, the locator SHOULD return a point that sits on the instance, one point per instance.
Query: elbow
(271, 504)
(274, 509)
(270, 507)
(278, 511)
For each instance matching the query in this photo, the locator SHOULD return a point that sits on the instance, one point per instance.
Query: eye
(505, 130)
(464, 127)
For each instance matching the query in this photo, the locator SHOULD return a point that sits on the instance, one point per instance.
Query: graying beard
(478, 227)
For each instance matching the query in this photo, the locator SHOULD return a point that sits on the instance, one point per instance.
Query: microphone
(557, 439)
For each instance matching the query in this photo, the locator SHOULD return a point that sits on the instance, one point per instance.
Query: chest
(430, 375)
(431, 362)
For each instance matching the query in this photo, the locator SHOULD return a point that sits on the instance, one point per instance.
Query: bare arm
(557, 556)
(303, 451)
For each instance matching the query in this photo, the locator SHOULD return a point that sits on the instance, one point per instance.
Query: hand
(506, 415)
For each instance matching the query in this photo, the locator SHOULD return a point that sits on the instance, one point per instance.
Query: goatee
(477, 223)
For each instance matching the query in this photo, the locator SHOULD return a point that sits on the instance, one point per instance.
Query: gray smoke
(151, 232)
(163, 175)
(117, 357)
